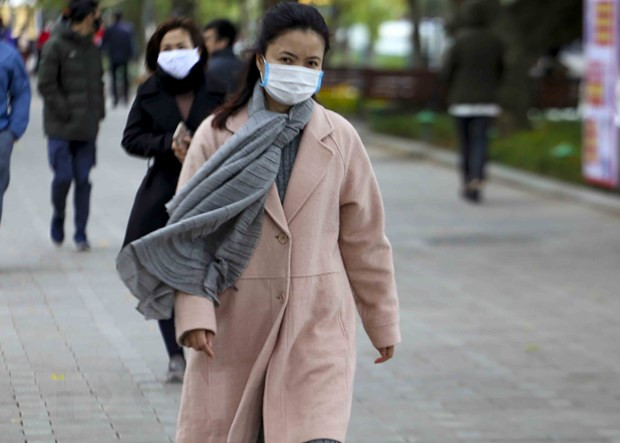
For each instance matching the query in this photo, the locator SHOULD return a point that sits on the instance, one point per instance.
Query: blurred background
(386, 59)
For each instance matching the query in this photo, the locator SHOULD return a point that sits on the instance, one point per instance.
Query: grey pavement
(510, 315)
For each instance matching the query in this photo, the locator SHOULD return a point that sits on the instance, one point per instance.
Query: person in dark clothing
(473, 71)
(70, 81)
(176, 91)
(118, 44)
(224, 65)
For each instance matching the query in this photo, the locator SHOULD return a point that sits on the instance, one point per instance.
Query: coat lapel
(311, 162)
(310, 166)
(163, 108)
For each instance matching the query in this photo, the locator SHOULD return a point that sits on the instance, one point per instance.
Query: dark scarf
(174, 86)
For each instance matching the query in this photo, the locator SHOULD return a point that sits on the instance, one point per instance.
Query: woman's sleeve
(193, 312)
(365, 249)
(138, 137)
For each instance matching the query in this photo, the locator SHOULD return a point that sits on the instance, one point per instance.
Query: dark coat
(118, 43)
(474, 65)
(226, 68)
(71, 83)
(151, 123)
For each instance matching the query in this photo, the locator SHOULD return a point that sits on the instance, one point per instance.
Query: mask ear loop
(265, 79)
(319, 83)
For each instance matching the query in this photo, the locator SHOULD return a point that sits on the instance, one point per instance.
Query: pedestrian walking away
(472, 71)
(164, 101)
(118, 43)
(70, 81)
(14, 109)
(276, 234)
(224, 65)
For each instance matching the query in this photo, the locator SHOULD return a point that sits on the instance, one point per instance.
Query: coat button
(281, 296)
(282, 238)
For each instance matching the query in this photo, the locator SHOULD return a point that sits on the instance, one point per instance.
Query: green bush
(426, 126)
(549, 148)
(343, 99)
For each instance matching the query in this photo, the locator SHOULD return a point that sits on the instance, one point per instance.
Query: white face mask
(178, 62)
(290, 85)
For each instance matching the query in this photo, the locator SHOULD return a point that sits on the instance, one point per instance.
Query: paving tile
(509, 315)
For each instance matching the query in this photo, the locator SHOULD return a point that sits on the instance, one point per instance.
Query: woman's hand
(386, 354)
(200, 340)
(180, 149)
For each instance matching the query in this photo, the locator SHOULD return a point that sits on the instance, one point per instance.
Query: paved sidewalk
(509, 311)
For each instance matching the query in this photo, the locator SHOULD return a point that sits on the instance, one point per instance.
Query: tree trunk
(185, 8)
(417, 56)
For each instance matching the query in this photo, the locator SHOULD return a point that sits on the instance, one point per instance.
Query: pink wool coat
(285, 339)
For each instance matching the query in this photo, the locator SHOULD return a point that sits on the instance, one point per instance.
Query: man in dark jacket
(118, 43)
(14, 108)
(473, 71)
(70, 81)
(223, 64)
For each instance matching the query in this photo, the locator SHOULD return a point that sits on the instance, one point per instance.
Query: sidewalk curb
(521, 179)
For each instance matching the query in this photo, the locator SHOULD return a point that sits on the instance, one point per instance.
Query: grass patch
(550, 148)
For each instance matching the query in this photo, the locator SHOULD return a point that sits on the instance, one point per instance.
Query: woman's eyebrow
(290, 54)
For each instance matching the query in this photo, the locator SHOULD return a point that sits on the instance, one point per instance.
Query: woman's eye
(286, 60)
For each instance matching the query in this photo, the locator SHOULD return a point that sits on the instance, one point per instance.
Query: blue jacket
(14, 91)
(118, 43)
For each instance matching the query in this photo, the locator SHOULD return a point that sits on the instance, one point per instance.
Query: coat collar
(164, 107)
(309, 169)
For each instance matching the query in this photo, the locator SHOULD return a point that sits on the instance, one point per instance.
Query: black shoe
(473, 195)
(57, 231)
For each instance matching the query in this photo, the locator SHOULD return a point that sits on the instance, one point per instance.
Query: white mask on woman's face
(179, 62)
(290, 85)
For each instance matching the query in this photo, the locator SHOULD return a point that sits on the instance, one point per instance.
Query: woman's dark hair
(78, 10)
(154, 43)
(224, 29)
(278, 19)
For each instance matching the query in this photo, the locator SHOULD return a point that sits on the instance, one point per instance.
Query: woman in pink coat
(275, 360)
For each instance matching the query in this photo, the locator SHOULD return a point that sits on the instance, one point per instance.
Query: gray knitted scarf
(215, 219)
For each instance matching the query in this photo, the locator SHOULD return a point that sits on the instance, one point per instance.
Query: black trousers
(168, 333)
(473, 140)
(120, 70)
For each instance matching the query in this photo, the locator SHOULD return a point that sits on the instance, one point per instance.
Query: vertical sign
(600, 133)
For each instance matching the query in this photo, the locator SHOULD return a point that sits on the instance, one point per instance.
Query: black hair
(224, 29)
(154, 43)
(278, 19)
(80, 9)
(118, 16)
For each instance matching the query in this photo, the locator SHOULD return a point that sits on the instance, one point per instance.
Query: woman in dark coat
(178, 90)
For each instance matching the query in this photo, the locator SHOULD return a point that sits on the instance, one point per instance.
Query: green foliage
(437, 130)
(343, 99)
(208, 11)
(549, 148)
(548, 24)
(382, 61)
(55, 5)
